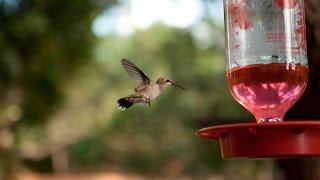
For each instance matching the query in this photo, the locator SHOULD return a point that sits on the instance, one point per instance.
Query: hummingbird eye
(168, 80)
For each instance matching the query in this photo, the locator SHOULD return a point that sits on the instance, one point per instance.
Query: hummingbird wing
(140, 79)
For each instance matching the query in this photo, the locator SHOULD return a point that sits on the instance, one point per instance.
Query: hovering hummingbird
(145, 89)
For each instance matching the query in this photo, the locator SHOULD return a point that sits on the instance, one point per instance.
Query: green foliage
(88, 153)
(41, 44)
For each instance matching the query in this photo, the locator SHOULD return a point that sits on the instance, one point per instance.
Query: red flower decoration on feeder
(243, 14)
(289, 4)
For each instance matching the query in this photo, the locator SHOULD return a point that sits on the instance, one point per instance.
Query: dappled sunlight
(142, 14)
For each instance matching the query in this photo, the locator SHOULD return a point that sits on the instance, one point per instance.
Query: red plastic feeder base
(266, 140)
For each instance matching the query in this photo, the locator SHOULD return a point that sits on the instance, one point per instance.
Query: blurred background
(60, 77)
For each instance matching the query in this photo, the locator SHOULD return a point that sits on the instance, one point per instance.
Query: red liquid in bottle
(268, 90)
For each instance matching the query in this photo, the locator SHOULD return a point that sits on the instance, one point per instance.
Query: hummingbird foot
(147, 102)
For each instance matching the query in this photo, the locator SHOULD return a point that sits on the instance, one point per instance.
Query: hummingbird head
(165, 82)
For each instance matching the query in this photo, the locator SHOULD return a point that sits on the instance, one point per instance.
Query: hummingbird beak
(178, 86)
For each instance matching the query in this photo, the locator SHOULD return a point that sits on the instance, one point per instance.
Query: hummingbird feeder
(267, 72)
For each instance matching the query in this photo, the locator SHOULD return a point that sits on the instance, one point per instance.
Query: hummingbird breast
(152, 91)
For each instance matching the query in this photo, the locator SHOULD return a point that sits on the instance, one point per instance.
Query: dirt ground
(101, 176)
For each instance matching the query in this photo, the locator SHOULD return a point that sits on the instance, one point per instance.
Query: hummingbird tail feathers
(124, 103)
(127, 102)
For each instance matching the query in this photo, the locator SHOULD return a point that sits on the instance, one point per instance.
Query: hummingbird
(145, 89)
